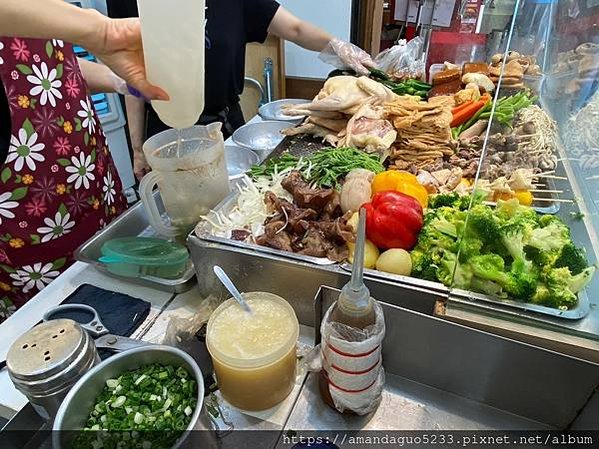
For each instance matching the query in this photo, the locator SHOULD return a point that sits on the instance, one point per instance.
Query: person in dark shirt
(232, 24)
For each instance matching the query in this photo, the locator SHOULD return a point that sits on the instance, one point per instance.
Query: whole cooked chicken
(369, 129)
(345, 94)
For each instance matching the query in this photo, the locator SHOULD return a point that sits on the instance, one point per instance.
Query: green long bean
(325, 168)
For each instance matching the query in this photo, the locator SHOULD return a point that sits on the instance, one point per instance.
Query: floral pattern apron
(58, 185)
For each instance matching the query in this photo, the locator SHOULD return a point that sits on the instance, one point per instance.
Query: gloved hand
(343, 55)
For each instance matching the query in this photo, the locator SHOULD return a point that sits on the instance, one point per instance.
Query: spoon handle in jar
(228, 283)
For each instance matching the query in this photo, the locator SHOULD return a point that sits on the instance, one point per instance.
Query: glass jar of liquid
(254, 355)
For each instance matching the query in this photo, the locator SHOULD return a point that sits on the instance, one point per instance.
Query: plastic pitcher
(191, 176)
(173, 35)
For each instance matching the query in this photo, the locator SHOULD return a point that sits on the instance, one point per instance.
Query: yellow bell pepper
(387, 180)
(400, 181)
(524, 197)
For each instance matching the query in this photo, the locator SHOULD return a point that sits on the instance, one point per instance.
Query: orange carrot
(464, 114)
(462, 106)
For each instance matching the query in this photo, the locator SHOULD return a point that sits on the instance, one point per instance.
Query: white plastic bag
(355, 341)
(404, 60)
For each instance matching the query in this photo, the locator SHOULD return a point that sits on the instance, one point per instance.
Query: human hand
(117, 43)
(344, 55)
(140, 165)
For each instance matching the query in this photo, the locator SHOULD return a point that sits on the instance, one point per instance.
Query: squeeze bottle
(173, 35)
(352, 375)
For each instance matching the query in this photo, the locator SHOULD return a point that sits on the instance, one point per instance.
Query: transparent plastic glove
(345, 55)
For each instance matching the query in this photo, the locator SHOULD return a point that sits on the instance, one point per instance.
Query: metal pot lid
(45, 350)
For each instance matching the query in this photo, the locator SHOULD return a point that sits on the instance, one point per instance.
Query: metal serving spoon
(228, 283)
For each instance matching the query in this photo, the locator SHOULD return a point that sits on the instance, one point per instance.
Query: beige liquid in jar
(254, 355)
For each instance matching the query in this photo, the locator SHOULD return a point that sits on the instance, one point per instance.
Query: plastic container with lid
(254, 355)
(144, 256)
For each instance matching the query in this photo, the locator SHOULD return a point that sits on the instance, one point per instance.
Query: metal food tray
(205, 231)
(133, 222)
(581, 310)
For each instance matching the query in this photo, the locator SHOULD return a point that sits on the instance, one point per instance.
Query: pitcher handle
(146, 187)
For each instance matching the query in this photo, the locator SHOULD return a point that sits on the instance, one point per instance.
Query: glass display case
(528, 247)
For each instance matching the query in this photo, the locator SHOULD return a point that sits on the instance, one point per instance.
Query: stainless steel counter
(406, 405)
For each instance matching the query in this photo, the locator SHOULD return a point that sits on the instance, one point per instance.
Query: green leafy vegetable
(324, 168)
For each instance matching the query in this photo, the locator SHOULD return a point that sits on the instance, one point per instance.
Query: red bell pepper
(393, 220)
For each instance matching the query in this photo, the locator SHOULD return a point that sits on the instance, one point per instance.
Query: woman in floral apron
(58, 184)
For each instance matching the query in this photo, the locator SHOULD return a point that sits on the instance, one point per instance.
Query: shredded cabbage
(250, 212)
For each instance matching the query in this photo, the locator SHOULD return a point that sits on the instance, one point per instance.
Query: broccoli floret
(451, 200)
(455, 274)
(443, 200)
(483, 222)
(490, 267)
(430, 238)
(446, 270)
(571, 257)
(512, 209)
(554, 291)
(552, 298)
(423, 266)
(462, 277)
(464, 202)
(582, 279)
(551, 237)
(513, 234)
(545, 220)
(556, 277)
(541, 258)
(444, 227)
(562, 287)
(469, 247)
(522, 280)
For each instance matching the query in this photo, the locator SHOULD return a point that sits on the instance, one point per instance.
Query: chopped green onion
(140, 379)
(118, 402)
(151, 398)
(139, 418)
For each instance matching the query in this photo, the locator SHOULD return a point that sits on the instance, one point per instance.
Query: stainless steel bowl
(274, 111)
(239, 160)
(73, 412)
(261, 136)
